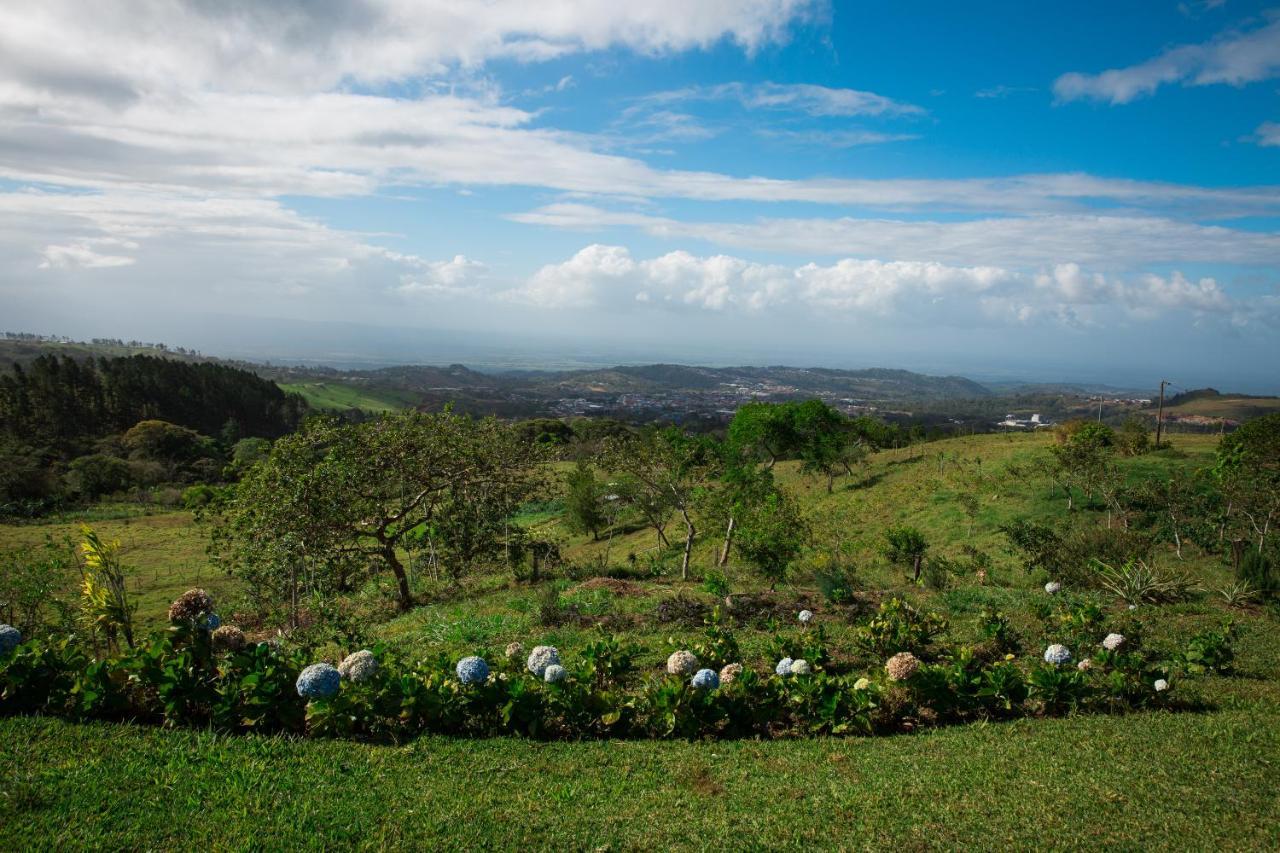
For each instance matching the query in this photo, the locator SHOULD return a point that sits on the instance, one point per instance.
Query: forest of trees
(61, 401)
(76, 430)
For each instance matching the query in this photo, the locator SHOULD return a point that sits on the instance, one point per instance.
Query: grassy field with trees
(432, 538)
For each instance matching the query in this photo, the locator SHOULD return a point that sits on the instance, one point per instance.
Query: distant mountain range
(649, 391)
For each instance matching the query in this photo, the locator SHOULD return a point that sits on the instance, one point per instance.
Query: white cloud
(441, 278)
(805, 98)
(911, 292)
(309, 45)
(834, 138)
(1268, 134)
(1113, 242)
(85, 254)
(1233, 58)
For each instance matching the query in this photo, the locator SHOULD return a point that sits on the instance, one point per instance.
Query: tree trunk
(831, 479)
(916, 563)
(402, 580)
(728, 544)
(689, 533)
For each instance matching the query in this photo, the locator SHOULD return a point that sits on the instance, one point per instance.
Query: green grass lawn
(1157, 781)
(1197, 779)
(328, 395)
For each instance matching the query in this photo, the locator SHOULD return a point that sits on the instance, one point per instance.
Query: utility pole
(1160, 411)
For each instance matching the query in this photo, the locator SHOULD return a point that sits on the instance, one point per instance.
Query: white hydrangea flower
(542, 657)
(358, 666)
(1085, 665)
(682, 663)
(800, 666)
(1053, 587)
(514, 651)
(1161, 685)
(783, 667)
(862, 684)
(1113, 642)
(554, 673)
(1057, 654)
(806, 616)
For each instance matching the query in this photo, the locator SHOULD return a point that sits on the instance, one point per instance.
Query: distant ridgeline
(55, 400)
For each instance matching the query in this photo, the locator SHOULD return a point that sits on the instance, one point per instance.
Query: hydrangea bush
(358, 667)
(10, 639)
(1057, 654)
(472, 670)
(185, 677)
(682, 663)
(319, 681)
(705, 679)
(542, 657)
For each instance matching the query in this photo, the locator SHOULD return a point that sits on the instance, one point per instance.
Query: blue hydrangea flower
(319, 681)
(554, 673)
(472, 670)
(542, 657)
(783, 667)
(706, 679)
(10, 637)
(1057, 654)
(212, 622)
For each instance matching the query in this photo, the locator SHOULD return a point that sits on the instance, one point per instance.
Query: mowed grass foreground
(1158, 781)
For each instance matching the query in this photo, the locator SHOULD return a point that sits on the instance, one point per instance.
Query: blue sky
(1083, 190)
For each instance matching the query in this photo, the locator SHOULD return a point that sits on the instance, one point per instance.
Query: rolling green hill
(335, 395)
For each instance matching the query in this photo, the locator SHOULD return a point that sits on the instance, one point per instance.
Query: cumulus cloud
(1234, 58)
(440, 278)
(601, 276)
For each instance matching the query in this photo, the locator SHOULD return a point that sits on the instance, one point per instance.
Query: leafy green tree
(583, 503)
(1133, 438)
(823, 441)
(161, 441)
(906, 546)
(663, 471)
(763, 431)
(333, 500)
(98, 474)
(771, 534)
(1247, 469)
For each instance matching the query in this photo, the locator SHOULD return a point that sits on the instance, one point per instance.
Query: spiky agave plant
(104, 600)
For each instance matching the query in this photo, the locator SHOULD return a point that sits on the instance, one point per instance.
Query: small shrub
(1257, 570)
(551, 610)
(898, 627)
(1138, 582)
(836, 584)
(715, 583)
(1211, 651)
